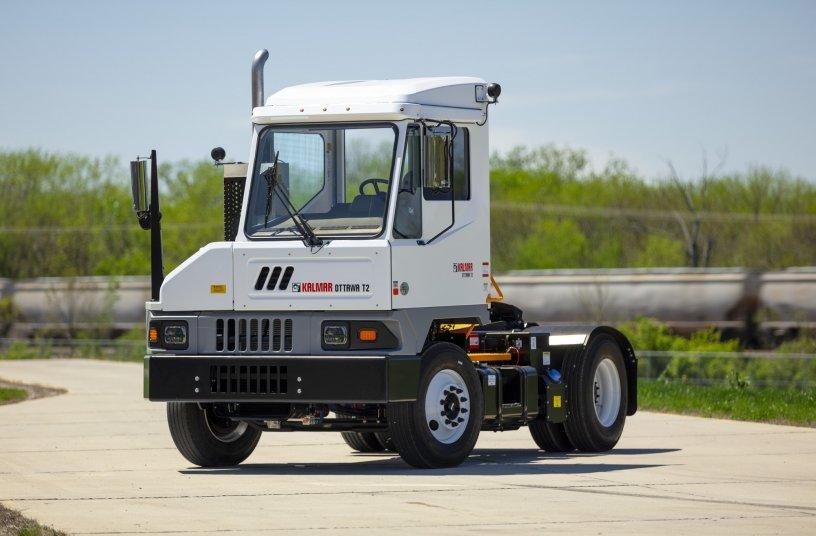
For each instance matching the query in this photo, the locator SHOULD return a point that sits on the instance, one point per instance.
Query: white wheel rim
(607, 392)
(447, 406)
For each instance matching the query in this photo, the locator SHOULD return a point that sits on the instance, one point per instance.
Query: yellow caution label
(557, 401)
(218, 289)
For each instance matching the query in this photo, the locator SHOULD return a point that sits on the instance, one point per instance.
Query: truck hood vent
(270, 277)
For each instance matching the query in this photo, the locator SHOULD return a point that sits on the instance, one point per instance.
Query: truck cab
(353, 290)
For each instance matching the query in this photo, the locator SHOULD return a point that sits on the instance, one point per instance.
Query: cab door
(433, 261)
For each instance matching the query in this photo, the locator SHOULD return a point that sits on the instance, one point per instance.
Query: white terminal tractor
(353, 291)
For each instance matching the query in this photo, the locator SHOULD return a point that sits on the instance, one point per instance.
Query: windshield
(337, 178)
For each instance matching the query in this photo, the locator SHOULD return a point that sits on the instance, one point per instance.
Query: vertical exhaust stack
(257, 77)
(235, 174)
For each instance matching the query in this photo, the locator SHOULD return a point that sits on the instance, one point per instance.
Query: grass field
(10, 394)
(773, 405)
(14, 524)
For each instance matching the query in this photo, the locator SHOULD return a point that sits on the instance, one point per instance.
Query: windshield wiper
(273, 186)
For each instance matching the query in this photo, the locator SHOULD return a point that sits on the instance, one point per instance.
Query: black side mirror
(493, 91)
(218, 154)
(139, 187)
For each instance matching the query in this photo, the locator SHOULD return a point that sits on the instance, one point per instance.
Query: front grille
(248, 379)
(253, 335)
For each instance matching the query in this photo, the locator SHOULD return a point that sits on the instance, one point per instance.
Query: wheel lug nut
(442, 402)
(460, 419)
(463, 399)
(447, 421)
(458, 391)
(454, 424)
(463, 410)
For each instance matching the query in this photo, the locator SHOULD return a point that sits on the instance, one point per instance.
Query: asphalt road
(99, 460)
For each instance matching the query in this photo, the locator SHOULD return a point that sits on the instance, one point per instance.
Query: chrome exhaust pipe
(257, 77)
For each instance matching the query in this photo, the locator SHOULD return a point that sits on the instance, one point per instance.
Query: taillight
(473, 342)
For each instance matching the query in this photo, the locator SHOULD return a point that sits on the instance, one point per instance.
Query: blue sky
(645, 81)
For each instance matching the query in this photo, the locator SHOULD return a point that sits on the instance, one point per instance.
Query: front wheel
(208, 440)
(441, 427)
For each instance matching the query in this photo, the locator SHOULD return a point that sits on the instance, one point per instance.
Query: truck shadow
(481, 462)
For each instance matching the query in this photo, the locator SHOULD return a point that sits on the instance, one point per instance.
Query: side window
(437, 180)
(368, 155)
(461, 165)
(408, 215)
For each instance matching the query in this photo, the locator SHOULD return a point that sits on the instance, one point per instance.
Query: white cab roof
(458, 91)
(410, 98)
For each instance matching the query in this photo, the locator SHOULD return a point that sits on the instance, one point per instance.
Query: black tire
(583, 427)
(386, 441)
(410, 428)
(206, 440)
(550, 437)
(362, 441)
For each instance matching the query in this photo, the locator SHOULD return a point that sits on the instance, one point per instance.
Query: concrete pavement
(99, 460)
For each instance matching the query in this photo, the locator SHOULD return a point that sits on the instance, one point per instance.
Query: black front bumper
(307, 379)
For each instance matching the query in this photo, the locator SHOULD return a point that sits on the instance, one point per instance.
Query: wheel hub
(451, 405)
(606, 391)
(447, 406)
(223, 429)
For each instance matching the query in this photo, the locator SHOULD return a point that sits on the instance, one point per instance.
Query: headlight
(335, 335)
(168, 334)
(175, 334)
(357, 335)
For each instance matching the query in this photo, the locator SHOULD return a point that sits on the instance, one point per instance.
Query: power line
(665, 214)
(555, 210)
(54, 229)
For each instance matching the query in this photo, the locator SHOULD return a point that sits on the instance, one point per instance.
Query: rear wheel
(208, 440)
(385, 440)
(550, 436)
(441, 427)
(362, 441)
(597, 395)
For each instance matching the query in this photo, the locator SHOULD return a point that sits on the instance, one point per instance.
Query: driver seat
(368, 205)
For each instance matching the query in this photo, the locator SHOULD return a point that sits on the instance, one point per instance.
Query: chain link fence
(735, 369)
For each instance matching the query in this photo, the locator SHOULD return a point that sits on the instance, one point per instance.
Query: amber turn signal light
(153, 335)
(367, 335)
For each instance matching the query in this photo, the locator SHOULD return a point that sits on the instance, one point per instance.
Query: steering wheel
(375, 183)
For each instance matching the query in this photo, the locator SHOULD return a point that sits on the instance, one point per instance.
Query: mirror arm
(154, 216)
(449, 227)
(449, 166)
(452, 223)
(144, 219)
